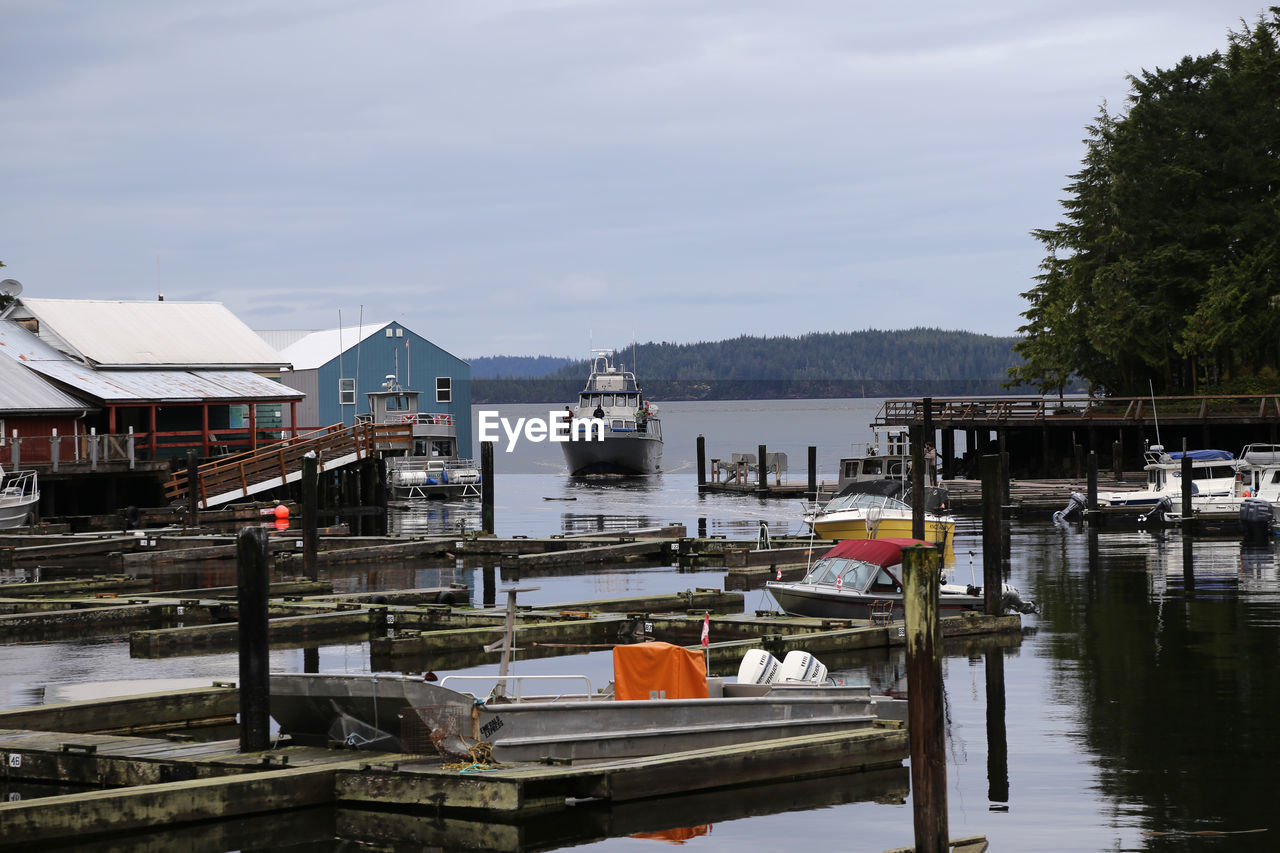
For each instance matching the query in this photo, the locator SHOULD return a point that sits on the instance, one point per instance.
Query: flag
(778, 576)
(839, 581)
(706, 630)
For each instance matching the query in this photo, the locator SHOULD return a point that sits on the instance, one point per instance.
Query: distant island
(820, 365)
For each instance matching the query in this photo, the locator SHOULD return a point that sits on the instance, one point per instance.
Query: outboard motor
(1074, 510)
(1011, 599)
(1256, 518)
(1157, 512)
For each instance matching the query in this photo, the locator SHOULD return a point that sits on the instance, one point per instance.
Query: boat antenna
(342, 407)
(1154, 415)
(359, 340)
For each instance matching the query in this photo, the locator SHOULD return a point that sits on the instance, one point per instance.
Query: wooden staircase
(238, 477)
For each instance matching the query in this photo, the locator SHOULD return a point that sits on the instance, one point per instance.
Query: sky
(541, 177)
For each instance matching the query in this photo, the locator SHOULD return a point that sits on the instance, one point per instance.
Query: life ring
(407, 419)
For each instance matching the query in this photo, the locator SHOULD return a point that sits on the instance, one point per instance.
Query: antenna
(11, 287)
(1154, 415)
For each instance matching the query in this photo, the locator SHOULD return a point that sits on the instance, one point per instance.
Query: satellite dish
(10, 287)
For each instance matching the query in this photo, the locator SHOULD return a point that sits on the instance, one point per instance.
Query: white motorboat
(19, 494)
(1213, 474)
(615, 430)
(660, 701)
(862, 579)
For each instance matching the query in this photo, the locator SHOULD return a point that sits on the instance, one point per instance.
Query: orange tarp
(658, 671)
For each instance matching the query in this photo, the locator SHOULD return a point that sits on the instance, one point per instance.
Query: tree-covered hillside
(829, 364)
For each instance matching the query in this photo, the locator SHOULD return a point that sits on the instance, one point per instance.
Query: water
(1139, 703)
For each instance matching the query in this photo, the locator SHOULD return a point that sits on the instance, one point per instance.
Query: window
(346, 392)
(399, 332)
(397, 403)
(444, 389)
(389, 332)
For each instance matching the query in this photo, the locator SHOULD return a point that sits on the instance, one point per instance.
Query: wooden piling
(917, 484)
(310, 537)
(702, 461)
(997, 736)
(253, 574)
(992, 533)
(1092, 485)
(486, 486)
(812, 492)
(193, 489)
(1188, 519)
(762, 470)
(1117, 460)
(924, 691)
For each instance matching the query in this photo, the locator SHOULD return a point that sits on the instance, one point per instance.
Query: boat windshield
(854, 574)
(861, 500)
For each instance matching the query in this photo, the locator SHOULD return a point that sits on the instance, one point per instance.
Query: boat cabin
(434, 433)
(611, 393)
(872, 461)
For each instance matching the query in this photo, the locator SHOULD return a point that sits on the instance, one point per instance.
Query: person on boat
(641, 414)
(931, 462)
(598, 414)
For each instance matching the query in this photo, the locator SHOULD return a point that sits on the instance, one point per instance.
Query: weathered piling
(762, 469)
(193, 490)
(254, 572)
(917, 484)
(1091, 491)
(997, 736)
(486, 486)
(992, 533)
(702, 461)
(310, 536)
(924, 710)
(1188, 518)
(812, 492)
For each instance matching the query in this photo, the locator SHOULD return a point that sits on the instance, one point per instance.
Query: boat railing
(519, 682)
(18, 484)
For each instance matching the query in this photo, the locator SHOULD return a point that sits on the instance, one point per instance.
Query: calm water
(1139, 703)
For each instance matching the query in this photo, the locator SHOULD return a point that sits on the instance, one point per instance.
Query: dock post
(917, 484)
(1091, 490)
(948, 454)
(702, 462)
(762, 470)
(486, 486)
(1187, 485)
(310, 537)
(193, 489)
(992, 533)
(924, 698)
(926, 404)
(812, 492)
(252, 578)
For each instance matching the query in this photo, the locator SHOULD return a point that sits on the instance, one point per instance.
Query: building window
(399, 332)
(390, 333)
(346, 392)
(444, 389)
(1, 432)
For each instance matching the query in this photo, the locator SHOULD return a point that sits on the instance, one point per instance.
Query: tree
(1165, 263)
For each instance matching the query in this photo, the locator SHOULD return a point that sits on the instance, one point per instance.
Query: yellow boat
(858, 515)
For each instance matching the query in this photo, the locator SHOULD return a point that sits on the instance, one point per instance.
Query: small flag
(778, 576)
(706, 630)
(839, 581)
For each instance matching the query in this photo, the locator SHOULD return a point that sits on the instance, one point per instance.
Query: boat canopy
(643, 669)
(1202, 455)
(879, 552)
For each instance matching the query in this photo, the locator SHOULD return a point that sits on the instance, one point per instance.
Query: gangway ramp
(243, 475)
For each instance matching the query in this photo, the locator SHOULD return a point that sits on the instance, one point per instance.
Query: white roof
(319, 348)
(116, 333)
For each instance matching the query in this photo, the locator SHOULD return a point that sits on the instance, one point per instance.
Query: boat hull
(800, 599)
(13, 513)
(627, 455)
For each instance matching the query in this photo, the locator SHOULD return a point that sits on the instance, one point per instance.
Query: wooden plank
(121, 712)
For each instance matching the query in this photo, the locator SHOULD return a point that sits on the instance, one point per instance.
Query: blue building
(338, 368)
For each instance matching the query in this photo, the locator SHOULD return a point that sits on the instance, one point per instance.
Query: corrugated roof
(319, 348)
(138, 386)
(116, 333)
(280, 339)
(23, 390)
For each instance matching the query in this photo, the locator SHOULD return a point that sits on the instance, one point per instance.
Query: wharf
(141, 783)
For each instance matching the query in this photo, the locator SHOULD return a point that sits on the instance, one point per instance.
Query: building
(337, 369)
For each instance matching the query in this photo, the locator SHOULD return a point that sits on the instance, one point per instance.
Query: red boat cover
(642, 669)
(879, 552)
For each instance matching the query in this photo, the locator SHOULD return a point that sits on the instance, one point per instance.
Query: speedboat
(865, 511)
(862, 579)
(614, 430)
(19, 494)
(412, 477)
(661, 700)
(1213, 474)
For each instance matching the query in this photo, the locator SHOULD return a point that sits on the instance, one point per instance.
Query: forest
(1164, 273)
(871, 363)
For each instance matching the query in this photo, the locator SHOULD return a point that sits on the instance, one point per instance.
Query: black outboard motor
(1157, 512)
(1256, 518)
(1074, 510)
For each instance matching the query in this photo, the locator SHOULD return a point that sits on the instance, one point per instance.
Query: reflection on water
(433, 517)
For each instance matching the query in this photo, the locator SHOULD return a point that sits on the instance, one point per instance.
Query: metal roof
(23, 390)
(138, 386)
(116, 333)
(320, 348)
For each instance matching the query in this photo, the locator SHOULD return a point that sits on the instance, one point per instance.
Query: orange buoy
(282, 511)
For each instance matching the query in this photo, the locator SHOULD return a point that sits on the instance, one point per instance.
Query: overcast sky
(533, 177)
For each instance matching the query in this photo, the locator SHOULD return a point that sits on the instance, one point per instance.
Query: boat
(19, 494)
(872, 461)
(660, 701)
(1213, 474)
(614, 430)
(428, 464)
(874, 510)
(862, 579)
